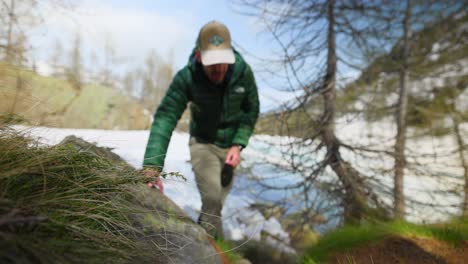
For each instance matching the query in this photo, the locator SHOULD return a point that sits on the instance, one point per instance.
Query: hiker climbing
(224, 108)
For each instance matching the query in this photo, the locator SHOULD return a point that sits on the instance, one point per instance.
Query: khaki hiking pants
(207, 163)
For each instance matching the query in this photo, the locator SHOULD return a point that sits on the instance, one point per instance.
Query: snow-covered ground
(241, 221)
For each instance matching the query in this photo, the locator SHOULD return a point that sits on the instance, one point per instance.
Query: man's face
(216, 72)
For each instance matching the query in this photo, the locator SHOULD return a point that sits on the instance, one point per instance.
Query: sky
(168, 27)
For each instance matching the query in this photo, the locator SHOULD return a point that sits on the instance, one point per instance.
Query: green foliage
(228, 250)
(59, 204)
(453, 232)
(308, 260)
(345, 238)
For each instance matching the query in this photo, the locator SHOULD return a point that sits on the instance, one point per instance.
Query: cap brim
(210, 57)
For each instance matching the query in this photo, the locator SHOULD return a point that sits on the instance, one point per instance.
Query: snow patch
(434, 55)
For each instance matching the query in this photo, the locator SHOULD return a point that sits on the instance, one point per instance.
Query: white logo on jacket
(239, 89)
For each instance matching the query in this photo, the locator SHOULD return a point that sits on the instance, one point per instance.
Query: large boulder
(82, 145)
(179, 239)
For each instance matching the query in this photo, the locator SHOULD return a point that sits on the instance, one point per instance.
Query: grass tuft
(340, 240)
(228, 250)
(60, 204)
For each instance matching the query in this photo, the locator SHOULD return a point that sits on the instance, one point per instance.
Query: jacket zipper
(225, 107)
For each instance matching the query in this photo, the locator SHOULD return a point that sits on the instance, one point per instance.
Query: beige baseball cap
(214, 42)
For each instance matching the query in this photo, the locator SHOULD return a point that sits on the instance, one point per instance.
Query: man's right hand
(157, 183)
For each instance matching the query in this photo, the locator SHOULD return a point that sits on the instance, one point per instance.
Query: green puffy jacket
(223, 114)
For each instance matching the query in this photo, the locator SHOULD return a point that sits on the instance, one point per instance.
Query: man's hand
(156, 183)
(233, 156)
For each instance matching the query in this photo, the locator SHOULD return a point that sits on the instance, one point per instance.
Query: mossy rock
(162, 221)
(79, 203)
(82, 145)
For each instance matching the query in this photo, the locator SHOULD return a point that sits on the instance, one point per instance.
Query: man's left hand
(233, 156)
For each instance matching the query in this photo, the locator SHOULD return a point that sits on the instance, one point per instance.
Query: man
(224, 108)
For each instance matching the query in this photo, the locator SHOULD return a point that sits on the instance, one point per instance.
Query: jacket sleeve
(250, 109)
(165, 120)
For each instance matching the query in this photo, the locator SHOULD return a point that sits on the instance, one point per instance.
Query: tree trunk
(461, 152)
(9, 44)
(400, 142)
(354, 200)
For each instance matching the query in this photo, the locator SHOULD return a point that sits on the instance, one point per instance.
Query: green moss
(340, 240)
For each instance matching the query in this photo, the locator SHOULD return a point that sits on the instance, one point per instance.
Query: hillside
(53, 102)
(437, 87)
(438, 79)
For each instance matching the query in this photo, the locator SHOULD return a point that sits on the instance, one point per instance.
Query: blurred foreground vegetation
(60, 204)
